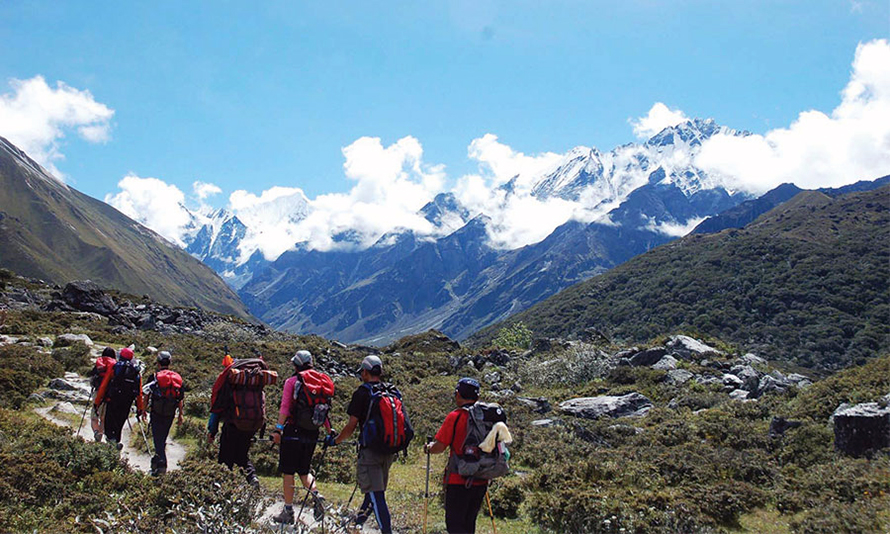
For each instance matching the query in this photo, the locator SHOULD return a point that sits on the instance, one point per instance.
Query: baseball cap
(370, 363)
(468, 388)
(164, 357)
(126, 353)
(302, 357)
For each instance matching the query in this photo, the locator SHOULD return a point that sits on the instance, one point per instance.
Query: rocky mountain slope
(808, 282)
(51, 231)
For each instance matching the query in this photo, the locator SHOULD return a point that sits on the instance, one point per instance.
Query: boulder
(86, 295)
(66, 340)
(753, 359)
(666, 363)
(492, 378)
(779, 425)
(687, 348)
(738, 394)
(61, 384)
(678, 376)
(65, 407)
(647, 357)
(544, 423)
(861, 429)
(749, 376)
(630, 405)
(707, 380)
(732, 382)
(537, 404)
(770, 384)
(45, 341)
(799, 381)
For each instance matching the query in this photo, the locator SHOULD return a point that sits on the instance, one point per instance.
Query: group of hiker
(116, 379)
(475, 433)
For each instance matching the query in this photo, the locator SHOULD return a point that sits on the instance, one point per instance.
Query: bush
(580, 364)
(74, 358)
(514, 336)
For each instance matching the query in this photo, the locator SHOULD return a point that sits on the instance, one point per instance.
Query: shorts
(295, 455)
(372, 470)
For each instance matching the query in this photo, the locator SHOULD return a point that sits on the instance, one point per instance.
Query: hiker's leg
(115, 417)
(242, 450)
(226, 452)
(308, 482)
(381, 511)
(456, 509)
(303, 456)
(160, 429)
(288, 481)
(475, 497)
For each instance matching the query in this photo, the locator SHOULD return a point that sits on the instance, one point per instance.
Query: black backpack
(124, 385)
(472, 462)
(387, 429)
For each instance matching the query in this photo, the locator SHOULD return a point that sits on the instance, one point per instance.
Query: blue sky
(248, 97)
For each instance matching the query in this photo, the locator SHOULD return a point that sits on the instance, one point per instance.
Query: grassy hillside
(697, 462)
(53, 232)
(806, 282)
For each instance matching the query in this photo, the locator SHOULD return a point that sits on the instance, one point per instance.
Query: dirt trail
(306, 523)
(137, 459)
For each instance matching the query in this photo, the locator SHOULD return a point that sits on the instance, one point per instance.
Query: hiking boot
(317, 506)
(97, 437)
(286, 517)
(253, 481)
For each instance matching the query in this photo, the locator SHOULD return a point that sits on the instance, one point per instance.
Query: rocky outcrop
(667, 363)
(630, 405)
(678, 376)
(647, 357)
(66, 340)
(87, 296)
(687, 348)
(537, 404)
(861, 429)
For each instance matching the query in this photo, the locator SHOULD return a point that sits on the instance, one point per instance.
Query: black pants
(116, 413)
(160, 429)
(233, 448)
(462, 506)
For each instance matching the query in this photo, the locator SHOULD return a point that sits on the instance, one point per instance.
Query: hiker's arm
(140, 404)
(347, 430)
(181, 407)
(435, 447)
(213, 425)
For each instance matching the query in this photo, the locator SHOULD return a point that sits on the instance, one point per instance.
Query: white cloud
(35, 117)
(154, 203)
(204, 190)
(817, 150)
(659, 117)
(674, 229)
(503, 163)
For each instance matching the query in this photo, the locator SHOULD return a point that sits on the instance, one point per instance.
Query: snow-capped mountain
(634, 197)
(604, 178)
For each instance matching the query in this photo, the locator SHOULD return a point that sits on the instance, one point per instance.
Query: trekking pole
(324, 451)
(494, 529)
(426, 492)
(148, 445)
(87, 407)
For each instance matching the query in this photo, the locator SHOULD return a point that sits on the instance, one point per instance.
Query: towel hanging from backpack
(499, 433)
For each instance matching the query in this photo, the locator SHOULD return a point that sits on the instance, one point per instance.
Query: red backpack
(238, 393)
(387, 429)
(166, 393)
(102, 366)
(312, 399)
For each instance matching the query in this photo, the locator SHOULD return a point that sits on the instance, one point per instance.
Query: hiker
(305, 404)
(103, 366)
(118, 390)
(475, 433)
(165, 398)
(378, 442)
(238, 400)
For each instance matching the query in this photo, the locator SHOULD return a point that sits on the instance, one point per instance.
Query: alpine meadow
(458, 267)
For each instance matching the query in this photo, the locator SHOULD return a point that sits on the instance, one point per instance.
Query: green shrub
(513, 336)
(75, 357)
